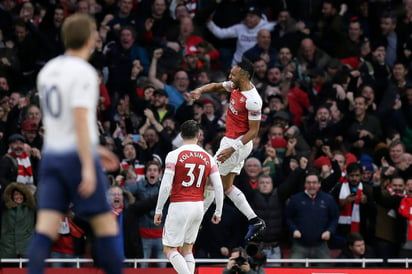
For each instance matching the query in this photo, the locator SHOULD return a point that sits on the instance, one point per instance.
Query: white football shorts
(182, 223)
(235, 163)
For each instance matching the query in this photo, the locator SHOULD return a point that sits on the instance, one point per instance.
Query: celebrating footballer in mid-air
(242, 126)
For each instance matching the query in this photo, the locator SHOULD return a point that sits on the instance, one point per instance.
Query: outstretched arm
(222, 33)
(208, 88)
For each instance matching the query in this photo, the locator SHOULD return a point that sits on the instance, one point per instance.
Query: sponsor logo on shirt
(232, 107)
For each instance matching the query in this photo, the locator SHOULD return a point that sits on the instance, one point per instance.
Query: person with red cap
(30, 131)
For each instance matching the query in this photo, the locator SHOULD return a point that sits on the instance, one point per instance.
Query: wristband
(238, 144)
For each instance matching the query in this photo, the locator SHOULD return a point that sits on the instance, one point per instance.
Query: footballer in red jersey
(242, 126)
(184, 180)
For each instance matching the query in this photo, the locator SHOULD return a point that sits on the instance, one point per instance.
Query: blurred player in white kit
(70, 170)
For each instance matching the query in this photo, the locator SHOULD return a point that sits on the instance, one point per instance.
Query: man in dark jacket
(262, 49)
(268, 202)
(312, 217)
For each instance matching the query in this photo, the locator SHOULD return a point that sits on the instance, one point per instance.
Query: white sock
(239, 199)
(178, 262)
(209, 198)
(190, 261)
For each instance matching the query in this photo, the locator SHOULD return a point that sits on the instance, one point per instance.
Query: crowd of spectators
(335, 80)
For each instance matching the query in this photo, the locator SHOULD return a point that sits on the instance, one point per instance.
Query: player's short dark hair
(77, 30)
(246, 66)
(190, 129)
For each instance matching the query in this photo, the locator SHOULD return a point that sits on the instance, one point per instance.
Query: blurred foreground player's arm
(88, 183)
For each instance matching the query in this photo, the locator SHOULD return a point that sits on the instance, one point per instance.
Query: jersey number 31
(193, 173)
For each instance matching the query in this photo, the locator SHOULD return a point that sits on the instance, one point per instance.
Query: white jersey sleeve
(218, 187)
(254, 104)
(164, 192)
(167, 181)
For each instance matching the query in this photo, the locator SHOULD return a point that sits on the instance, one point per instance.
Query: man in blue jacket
(312, 217)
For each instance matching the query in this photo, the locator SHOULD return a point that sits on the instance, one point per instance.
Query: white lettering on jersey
(193, 154)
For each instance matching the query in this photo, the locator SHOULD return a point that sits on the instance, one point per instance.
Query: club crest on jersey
(242, 99)
(232, 107)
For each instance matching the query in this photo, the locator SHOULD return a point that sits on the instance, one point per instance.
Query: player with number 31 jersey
(184, 180)
(190, 179)
(188, 168)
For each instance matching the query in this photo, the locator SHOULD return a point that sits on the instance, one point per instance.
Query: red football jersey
(192, 167)
(243, 106)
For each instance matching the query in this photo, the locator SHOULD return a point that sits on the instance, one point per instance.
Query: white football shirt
(65, 83)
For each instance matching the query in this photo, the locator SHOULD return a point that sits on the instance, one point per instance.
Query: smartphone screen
(136, 137)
